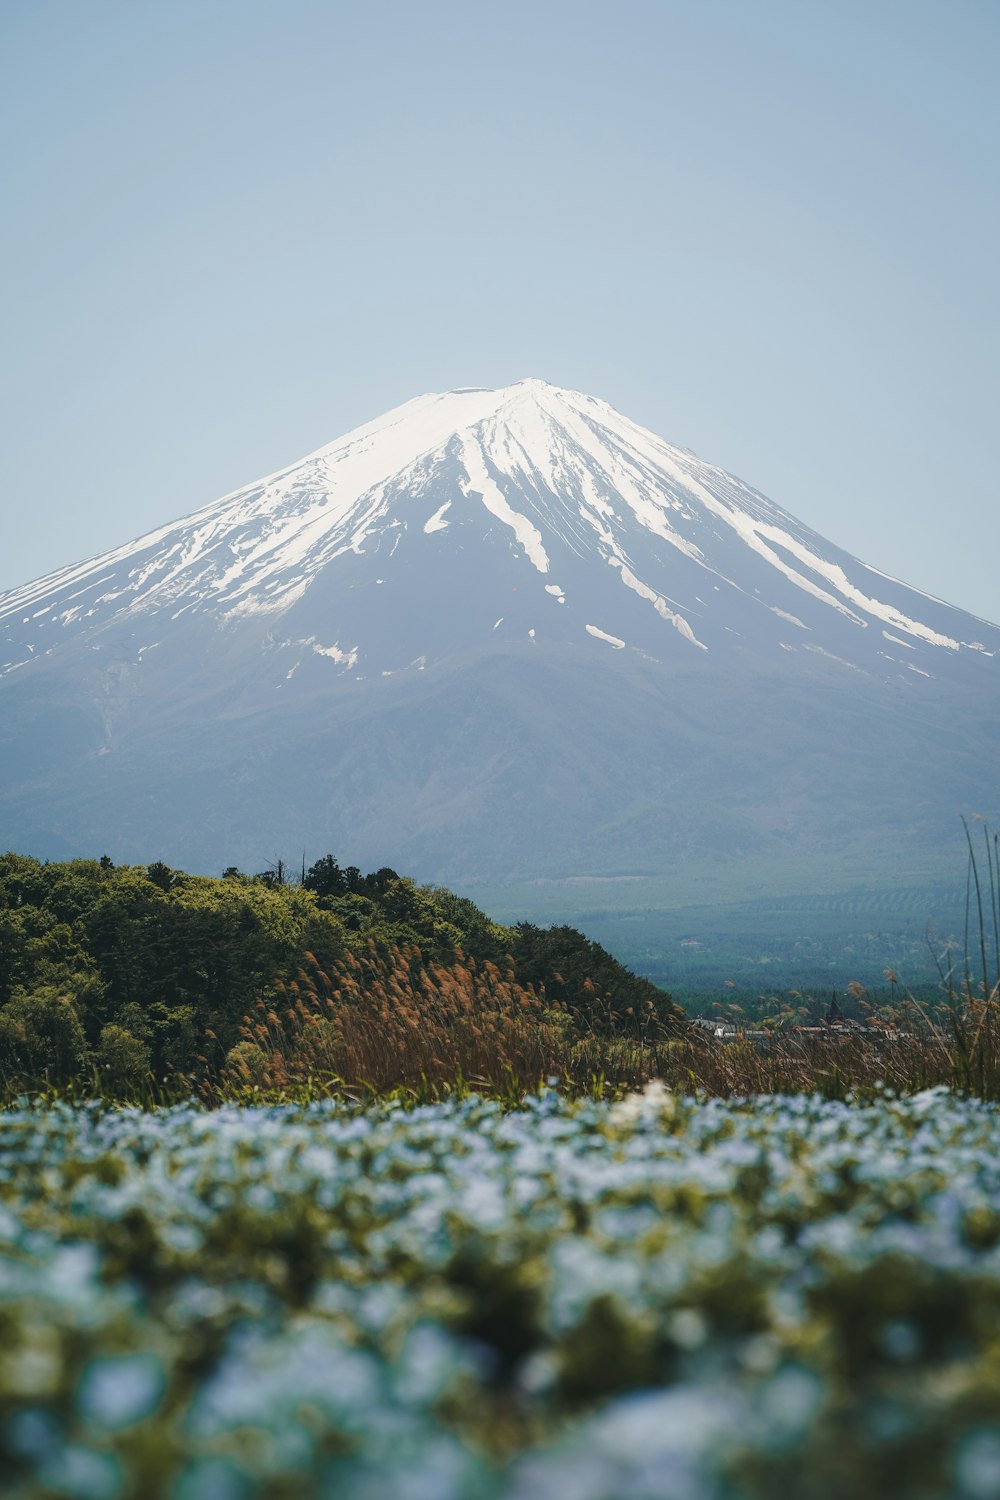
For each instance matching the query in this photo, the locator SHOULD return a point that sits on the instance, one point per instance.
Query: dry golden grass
(389, 1019)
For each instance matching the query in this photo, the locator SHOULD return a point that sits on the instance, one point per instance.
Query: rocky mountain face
(495, 634)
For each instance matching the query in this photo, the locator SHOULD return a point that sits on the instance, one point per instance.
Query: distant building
(720, 1031)
(834, 1026)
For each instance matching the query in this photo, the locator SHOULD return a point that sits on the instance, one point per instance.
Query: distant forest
(117, 974)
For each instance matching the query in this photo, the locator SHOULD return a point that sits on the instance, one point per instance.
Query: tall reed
(389, 1019)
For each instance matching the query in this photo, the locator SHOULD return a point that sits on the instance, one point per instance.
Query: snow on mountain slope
(526, 512)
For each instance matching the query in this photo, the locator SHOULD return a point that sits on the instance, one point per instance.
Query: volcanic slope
(495, 634)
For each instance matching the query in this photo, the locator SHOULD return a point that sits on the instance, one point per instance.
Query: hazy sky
(234, 229)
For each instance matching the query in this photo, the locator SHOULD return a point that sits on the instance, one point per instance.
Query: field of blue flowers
(659, 1297)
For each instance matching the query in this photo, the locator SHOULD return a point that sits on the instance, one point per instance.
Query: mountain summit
(492, 633)
(530, 512)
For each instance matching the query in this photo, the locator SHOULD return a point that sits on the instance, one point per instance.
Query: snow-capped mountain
(542, 513)
(491, 632)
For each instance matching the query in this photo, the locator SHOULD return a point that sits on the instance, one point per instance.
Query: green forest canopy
(129, 968)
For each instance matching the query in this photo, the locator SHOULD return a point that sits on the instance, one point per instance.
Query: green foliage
(159, 969)
(123, 1060)
(584, 976)
(41, 1037)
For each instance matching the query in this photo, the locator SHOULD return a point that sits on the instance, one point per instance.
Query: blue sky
(235, 229)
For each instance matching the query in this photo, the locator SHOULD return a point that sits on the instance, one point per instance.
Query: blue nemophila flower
(662, 1296)
(81, 1473)
(213, 1479)
(977, 1464)
(114, 1391)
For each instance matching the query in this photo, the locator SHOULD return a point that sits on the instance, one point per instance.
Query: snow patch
(437, 521)
(821, 651)
(334, 652)
(784, 615)
(496, 503)
(602, 635)
(658, 602)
